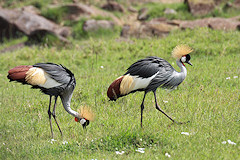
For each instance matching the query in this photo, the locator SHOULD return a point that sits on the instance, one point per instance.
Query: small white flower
(52, 140)
(167, 155)
(235, 77)
(228, 78)
(9, 150)
(165, 101)
(4, 143)
(117, 152)
(230, 142)
(141, 150)
(64, 142)
(102, 67)
(140, 139)
(185, 133)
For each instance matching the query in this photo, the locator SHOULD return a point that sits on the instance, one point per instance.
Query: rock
(193, 24)
(32, 25)
(76, 11)
(169, 11)
(143, 14)
(161, 27)
(156, 27)
(93, 25)
(31, 9)
(235, 4)
(200, 7)
(113, 6)
(131, 9)
(223, 24)
(214, 23)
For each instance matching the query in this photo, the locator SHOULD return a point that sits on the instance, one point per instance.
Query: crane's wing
(149, 66)
(144, 75)
(166, 77)
(57, 72)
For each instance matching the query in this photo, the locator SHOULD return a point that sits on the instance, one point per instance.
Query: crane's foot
(178, 123)
(181, 122)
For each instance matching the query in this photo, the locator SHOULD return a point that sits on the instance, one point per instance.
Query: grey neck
(183, 72)
(66, 97)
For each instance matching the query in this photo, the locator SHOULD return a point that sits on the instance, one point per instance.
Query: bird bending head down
(54, 80)
(150, 73)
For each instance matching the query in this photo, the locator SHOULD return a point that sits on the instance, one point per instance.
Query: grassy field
(208, 98)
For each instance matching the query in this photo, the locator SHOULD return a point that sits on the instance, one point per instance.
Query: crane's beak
(85, 124)
(188, 62)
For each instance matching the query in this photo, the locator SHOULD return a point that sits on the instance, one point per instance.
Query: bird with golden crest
(150, 73)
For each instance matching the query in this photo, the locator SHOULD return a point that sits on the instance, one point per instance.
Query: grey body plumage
(167, 77)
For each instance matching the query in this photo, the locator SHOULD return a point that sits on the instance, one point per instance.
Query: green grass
(206, 98)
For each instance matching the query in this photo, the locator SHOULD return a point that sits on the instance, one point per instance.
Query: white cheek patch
(183, 59)
(82, 121)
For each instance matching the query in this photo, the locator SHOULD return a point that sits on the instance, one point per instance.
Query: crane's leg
(54, 115)
(142, 107)
(50, 114)
(158, 108)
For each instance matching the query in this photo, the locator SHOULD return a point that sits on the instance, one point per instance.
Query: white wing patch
(37, 76)
(141, 83)
(130, 83)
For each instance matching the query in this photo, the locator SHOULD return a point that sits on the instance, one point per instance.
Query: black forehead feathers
(188, 57)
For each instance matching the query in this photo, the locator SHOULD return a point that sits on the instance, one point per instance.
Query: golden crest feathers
(181, 50)
(87, 113)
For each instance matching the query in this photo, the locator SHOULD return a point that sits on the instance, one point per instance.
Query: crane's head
(186, 59)
(84, 122)
(181, 52)
(86, 115)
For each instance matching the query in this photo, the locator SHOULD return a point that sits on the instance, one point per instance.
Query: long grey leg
(158, 108)
(54, 115)
(49, 115)
(142, 106)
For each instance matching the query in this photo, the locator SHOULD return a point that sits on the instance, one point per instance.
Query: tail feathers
(114, 89)
(18, 73)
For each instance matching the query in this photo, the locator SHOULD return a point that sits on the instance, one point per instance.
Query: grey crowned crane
(53, 80)
(150, 73)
